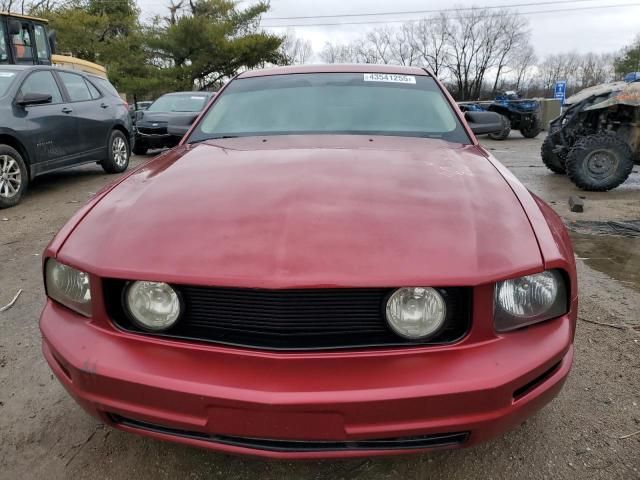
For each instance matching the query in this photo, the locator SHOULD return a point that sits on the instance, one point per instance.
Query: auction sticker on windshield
(391, 78)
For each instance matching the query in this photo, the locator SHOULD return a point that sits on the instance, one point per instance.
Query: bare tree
(6, 5)
(594, 69)
(174, 7)
(380, 42)
(465, 37)
(489, 40)
(558, 67)
(339, 53)
(514, 36)
(296, 51)
(27, 6)
(403, 49)
(522, 61)
(39, 6)
(364, 52)
(429, 38)
(472, 48)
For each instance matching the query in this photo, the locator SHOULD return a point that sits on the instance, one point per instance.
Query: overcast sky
(588, 30)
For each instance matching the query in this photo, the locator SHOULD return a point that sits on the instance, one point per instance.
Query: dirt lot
(43, 434)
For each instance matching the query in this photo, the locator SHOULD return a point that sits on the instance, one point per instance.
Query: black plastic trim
(533, 384)
(300, 446)
(344, 330)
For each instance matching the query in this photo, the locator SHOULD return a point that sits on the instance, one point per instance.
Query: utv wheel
(504, 133)
(551, 159)
(139, 148)
(118, 159)
(599, 162)
(531, 131)
(14, 177)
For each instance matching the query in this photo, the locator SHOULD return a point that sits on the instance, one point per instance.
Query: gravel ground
(44, 434)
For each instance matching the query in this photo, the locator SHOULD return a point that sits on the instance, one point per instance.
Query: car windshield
(6, 79)
(332, 103)
(192, 102)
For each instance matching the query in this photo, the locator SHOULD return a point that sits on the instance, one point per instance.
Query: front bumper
(156, 140)
(307, 405)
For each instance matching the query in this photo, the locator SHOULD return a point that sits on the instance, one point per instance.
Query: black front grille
(292, 319)
(161, 129)
(275, 445)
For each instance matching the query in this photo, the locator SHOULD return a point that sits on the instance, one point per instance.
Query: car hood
(596, 90)
(310, 212)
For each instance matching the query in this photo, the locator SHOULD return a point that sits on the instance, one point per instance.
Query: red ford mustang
(328, 265)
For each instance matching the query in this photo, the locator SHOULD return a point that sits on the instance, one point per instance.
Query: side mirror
(14, 27)
(33, 99)
(484, 122)
(178, 127)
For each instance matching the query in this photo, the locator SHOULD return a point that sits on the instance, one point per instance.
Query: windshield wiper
(213, 138)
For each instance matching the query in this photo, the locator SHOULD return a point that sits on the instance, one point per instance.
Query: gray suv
(53, 118)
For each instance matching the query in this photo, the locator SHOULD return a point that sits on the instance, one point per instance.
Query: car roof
(17, 68)
(22, 68)
(336, 68)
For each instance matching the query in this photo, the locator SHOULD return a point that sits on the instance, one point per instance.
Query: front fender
(552, 236)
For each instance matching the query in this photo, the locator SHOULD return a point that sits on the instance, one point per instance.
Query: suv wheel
(118, 159)
(600, 162)
(13, 177)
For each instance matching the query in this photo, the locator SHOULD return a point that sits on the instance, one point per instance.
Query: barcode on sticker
(389, 77)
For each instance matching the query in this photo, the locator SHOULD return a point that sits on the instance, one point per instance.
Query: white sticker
(197, 98)
(7, 74)
(389, 77)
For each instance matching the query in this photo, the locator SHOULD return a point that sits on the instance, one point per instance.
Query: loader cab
(24, 40)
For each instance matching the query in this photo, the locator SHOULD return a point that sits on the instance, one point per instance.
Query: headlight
(68, 286)
(531, 299)
(416, 313)
(152, 306)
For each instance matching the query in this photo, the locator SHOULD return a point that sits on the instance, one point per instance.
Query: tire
(139, 148)
(551, 159)
(532, 131)
(599, 162)
(118, 151)
(14, 176)
(504, 133)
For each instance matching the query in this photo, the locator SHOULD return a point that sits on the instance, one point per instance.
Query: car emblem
(154, 124)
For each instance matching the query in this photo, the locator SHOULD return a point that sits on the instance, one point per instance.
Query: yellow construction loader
(26, 40)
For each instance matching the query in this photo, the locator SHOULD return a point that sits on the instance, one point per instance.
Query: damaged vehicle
(328, 265)
(596, 140)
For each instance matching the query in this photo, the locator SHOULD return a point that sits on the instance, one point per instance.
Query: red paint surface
(314, 211)
(319, 396)
(310, 211)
